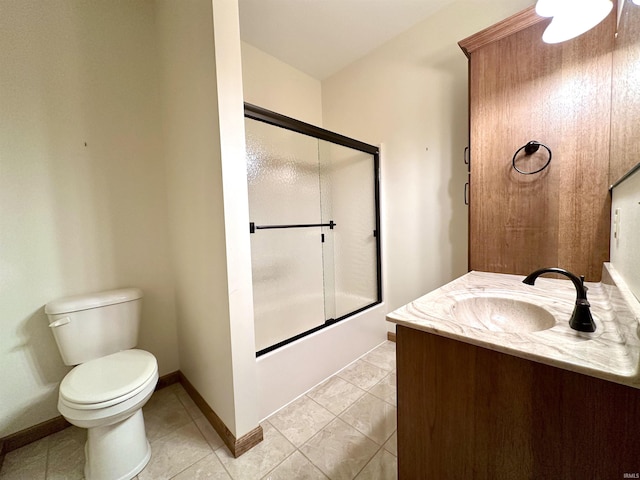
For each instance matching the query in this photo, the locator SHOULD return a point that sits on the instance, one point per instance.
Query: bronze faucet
(581, 319)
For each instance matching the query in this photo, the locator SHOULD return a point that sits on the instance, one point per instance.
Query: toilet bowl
(112, 381)
(106, 396)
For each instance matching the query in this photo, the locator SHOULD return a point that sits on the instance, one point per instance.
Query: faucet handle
(582, 281)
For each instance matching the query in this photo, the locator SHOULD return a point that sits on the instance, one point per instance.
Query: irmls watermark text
(631, 475)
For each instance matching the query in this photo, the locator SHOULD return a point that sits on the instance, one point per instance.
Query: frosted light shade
(546, 8)
(571, 17)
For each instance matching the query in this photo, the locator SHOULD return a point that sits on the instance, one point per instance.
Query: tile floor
(345, 428)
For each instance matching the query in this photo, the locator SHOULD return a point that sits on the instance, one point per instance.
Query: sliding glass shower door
(313, 204)
(348, 181)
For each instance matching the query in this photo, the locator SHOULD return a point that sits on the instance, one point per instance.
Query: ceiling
(321, 37)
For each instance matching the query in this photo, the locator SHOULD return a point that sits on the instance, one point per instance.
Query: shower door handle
(253, 227)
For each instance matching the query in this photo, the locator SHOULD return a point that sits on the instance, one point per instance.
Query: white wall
(411, 95)
(208, 209)
(272, 84)
(82, 185)
(625, 255)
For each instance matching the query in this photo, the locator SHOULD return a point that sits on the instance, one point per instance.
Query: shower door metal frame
(276, 119)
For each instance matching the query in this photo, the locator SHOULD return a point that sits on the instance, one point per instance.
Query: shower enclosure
(314, 209)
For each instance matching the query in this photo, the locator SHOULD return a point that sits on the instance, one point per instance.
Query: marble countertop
(612, 352)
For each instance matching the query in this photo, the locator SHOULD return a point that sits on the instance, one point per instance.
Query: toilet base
(118, 451)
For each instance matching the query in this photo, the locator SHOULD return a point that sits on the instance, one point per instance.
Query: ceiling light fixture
(571, 17)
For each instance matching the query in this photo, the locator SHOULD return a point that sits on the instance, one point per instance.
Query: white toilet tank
(96, 324)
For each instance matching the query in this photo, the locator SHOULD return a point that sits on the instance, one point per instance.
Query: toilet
(111, 381)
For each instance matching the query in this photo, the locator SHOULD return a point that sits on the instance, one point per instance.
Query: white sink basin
(500, 314)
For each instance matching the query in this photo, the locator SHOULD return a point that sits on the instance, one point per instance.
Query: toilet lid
(108, 378)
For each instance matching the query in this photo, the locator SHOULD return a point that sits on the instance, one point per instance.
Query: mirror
(625, 95)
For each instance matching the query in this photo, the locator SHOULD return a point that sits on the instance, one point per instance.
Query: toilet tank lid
(87, 301)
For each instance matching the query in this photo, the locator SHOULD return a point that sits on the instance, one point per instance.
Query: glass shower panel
(350, 250)
(284, 192)
(313, 203)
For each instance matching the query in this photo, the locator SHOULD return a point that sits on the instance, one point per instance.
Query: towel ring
(529, 149)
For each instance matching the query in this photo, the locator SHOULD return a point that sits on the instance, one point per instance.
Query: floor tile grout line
(306, 394)
(383, 399)
(46, 460)
(350, 383)
(280, 463)
(326, 409)
(361, 357)
(215, 452)
(382, 380)
(189, 466)
(367, 463)
(169, 433)
(359, 398)
(38, 457)
(381, 368)
(316, 466)
(309, 459)
(205, 438)
(149, 414)
(363, 433)
(367, 437)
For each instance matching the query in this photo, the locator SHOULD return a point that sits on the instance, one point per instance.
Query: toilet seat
(109, 380)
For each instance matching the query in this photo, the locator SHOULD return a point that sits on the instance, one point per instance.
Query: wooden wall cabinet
(521, 89)
(625, 95)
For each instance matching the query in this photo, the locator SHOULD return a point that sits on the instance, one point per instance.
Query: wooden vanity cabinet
(467, 412)
(521, 89)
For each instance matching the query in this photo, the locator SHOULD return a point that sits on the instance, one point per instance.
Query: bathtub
(291, 370)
